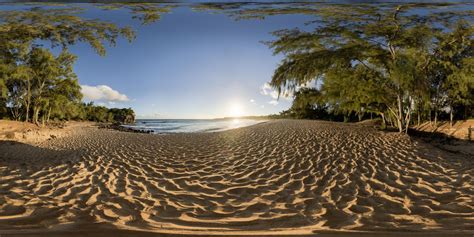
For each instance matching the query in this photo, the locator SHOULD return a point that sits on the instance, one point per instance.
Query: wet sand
(280, 177)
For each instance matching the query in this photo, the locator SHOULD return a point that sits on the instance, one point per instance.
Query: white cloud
(102, 93)
(252, 101)
(262, 106)
(268, 90)
(273, 102)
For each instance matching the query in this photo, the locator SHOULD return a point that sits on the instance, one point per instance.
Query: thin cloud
(268, 90)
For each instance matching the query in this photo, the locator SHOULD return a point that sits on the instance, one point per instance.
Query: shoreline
(134, 128)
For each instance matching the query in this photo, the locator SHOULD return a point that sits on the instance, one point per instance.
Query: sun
(236, 110)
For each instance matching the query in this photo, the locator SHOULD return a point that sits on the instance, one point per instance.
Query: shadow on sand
(444, 142)
(16, 154)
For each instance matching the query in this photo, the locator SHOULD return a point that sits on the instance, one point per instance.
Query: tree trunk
(384, 124)
(36, 108)
(49, 114)
(451, 115)
(27, 112)
(347, 117)
(408, 115)
(407, 121)
(28, 101)
(15, 113)
(419, 118)
(35, 114)
(400, 114)
(431, 124)
(436, 118)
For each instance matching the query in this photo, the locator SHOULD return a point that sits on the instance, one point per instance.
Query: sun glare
(236, 110)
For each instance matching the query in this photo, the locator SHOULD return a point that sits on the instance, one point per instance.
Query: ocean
(161, 126)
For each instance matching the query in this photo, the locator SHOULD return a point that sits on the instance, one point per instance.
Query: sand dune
(284, 176)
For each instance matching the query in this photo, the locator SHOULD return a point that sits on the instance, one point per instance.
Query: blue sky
(186, 65)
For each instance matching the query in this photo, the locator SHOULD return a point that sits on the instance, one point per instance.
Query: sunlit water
(160, 126)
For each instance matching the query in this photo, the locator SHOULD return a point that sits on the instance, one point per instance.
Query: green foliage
(308, 103)
(103, 114)
(380, 59)
(36, 85)
(124, 115)
(61, 27)
(147, 13)
(453, 66)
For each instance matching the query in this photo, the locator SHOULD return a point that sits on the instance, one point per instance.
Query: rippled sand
(286, 176)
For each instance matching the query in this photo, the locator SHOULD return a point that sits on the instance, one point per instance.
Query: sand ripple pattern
(278, 175)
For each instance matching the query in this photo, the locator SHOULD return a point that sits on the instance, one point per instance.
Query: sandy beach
(279, 177)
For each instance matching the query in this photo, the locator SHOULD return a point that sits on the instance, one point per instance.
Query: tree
(123, 116)
(368, 58)
(64, 100)
(308, 104)
(61, 27)
(452, 69)
(95, 113)
(29, 72)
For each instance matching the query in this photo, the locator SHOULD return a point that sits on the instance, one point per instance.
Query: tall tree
(452, 68)
(27, 70)
(386, 49)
